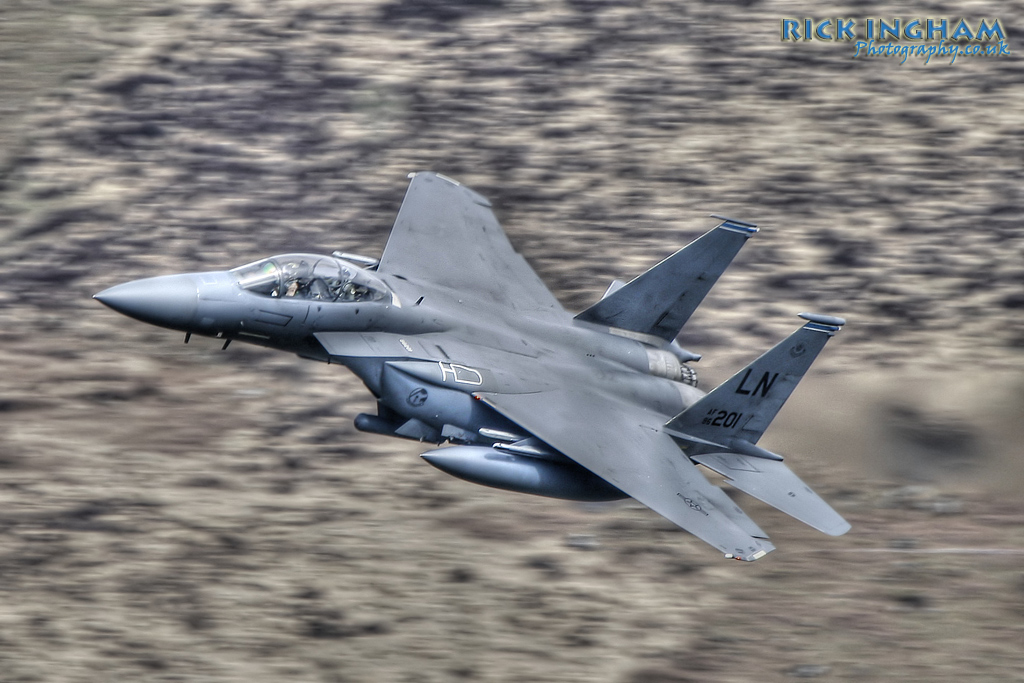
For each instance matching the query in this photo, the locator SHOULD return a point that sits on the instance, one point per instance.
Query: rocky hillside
(178, 513)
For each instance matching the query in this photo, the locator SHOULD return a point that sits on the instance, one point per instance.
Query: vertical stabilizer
(660, 301)
(743, 406)
(720, 430)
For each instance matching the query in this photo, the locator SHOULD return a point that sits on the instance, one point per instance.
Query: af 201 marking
(721, 418)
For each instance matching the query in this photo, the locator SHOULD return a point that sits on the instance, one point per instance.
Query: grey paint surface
(461, 342)
(654, 303)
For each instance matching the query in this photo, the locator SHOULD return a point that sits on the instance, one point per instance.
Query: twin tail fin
(720, 430)
(659, 302)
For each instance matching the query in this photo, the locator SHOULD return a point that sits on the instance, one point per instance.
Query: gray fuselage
(400, 345)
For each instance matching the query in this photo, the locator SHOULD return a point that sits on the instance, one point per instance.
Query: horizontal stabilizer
(774, 483)
(660, 301)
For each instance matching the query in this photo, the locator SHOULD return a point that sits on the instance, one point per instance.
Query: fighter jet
(461, 343)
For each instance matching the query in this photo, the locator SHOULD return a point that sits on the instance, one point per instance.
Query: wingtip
(838, 529)
(753, 552)
(751, 557)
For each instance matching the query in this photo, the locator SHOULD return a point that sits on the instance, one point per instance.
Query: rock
(810, 671)
(582, 542)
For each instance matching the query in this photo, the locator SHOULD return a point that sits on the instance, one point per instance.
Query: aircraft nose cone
(168, 301)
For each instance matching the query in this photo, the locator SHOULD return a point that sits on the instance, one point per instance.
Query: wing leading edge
(642, 461)
(446, 234)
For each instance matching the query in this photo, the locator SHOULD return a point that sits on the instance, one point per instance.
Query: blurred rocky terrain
(175, 513)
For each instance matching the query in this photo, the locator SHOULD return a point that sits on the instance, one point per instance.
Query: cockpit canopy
(309, 276)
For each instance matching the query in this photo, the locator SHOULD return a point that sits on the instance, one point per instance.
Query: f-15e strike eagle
(461, 342)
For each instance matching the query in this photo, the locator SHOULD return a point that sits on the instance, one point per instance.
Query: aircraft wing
(446, 234)
(775, 484)
(623, 444)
